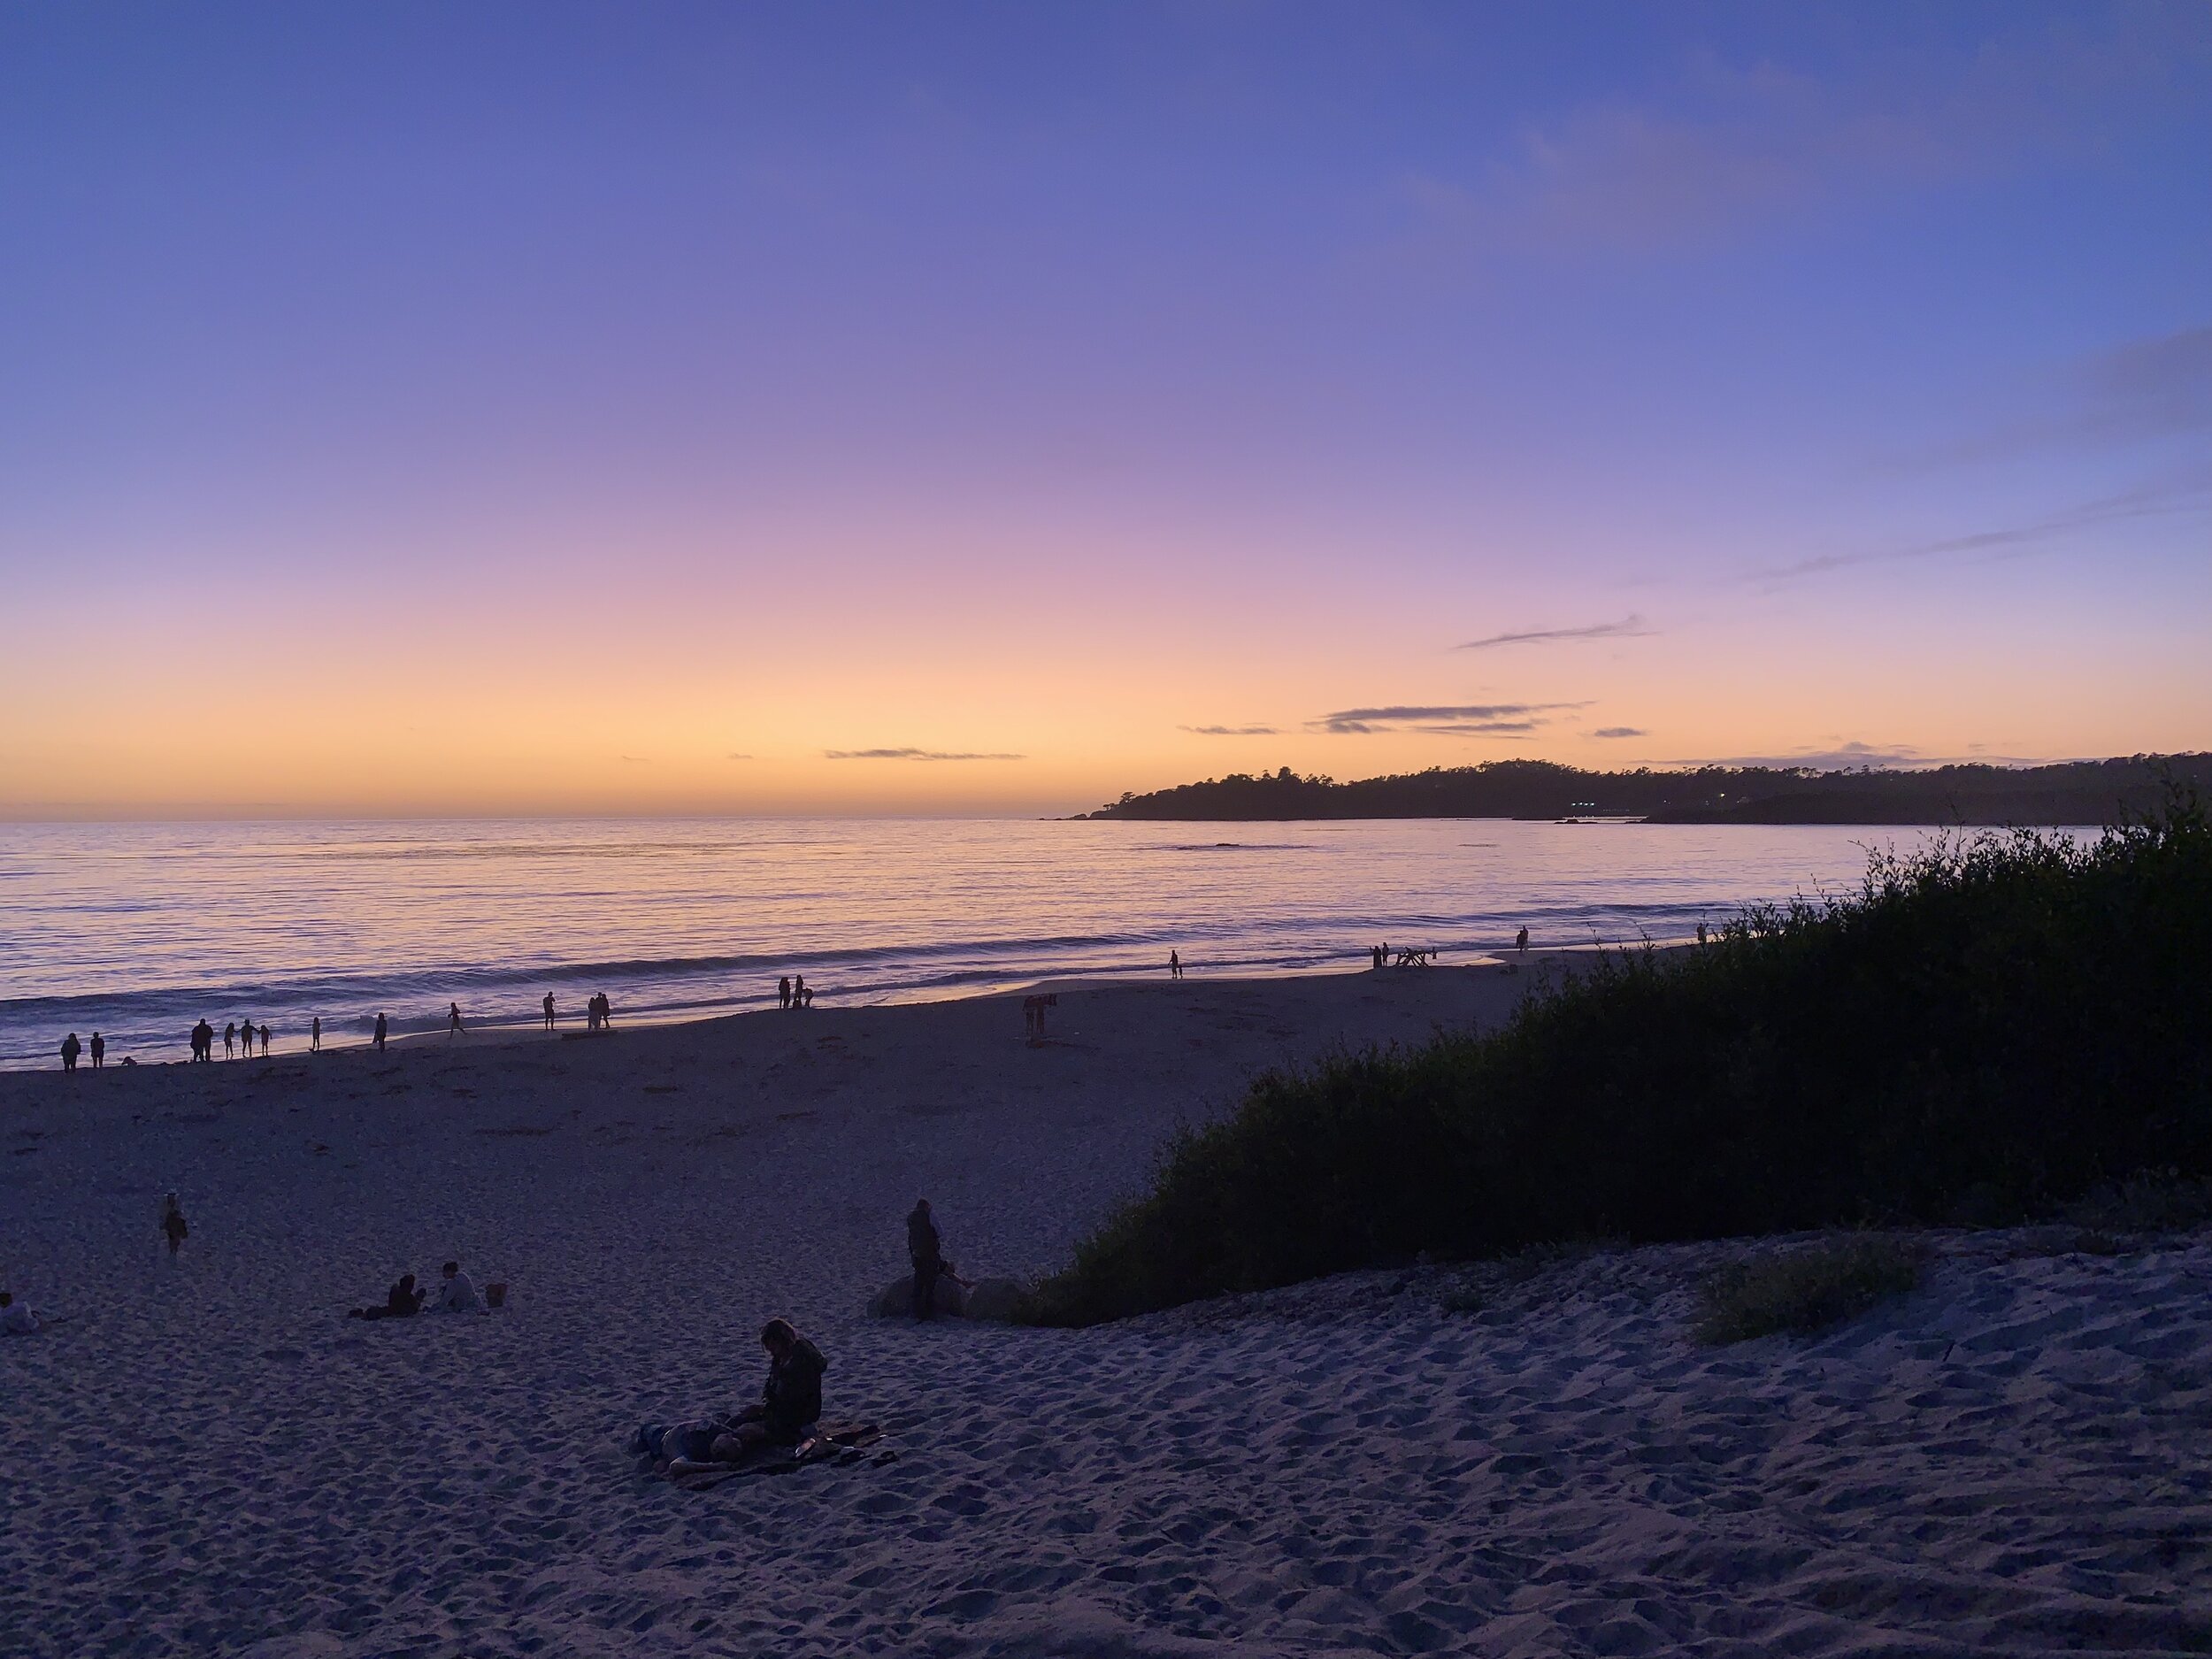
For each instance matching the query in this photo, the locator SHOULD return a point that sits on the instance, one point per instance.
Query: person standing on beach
(1520, 941)
(230, 1037)
(925, 1249)
(1174, 965)
(453, 1020)
(379, 1039)
(70, 1049)
(799, 997)
(265, 1042)
(315, 1035)
(203, 1042)
(99, 1051)
(783, 992)
(173, 1227)
(549, 1011)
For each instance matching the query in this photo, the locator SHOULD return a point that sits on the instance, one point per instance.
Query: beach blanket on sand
(825, 1443)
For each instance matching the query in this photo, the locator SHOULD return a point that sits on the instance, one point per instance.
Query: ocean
(138, 930)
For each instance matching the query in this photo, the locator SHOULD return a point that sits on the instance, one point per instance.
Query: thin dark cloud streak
(2188, 492)
(1629, 627)
(1230, 731)
(1620, 730)
(909, 754)
(1449, 719)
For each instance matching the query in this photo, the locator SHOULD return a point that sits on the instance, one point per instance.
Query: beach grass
(1984, 1031)
(1799, 1292)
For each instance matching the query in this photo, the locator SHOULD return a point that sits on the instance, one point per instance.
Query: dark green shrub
(1805, 1290)
(1987, 1030)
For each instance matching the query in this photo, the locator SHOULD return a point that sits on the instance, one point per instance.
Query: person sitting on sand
(925, 1249)
(16, 1318)
(457, 1293)
(790, 1405)
(403, 1301)
(172, 1225)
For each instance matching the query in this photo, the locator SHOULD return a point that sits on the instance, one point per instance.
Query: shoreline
(287, 1045)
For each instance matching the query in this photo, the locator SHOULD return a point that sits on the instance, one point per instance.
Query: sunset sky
(537, 408)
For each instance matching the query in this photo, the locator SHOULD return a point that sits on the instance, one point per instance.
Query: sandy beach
(205, 1456)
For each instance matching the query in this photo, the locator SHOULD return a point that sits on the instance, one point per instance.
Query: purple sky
(511, 407)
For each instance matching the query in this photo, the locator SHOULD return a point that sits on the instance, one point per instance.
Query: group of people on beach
(457, 1293)
(70, 1048)
(238, 1040)
(792, 991)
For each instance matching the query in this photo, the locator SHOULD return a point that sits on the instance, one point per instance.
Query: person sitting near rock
(790, 1405)
(403, 1301)
(16, 1318)
(457, 1293)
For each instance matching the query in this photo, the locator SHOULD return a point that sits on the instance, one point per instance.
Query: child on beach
(172, 1225)
(403, 1301)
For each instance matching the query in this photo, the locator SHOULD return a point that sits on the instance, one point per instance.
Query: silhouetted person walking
(379, 1033)
(549, 1011)
(453, 1020)
(924, 1250)
(315, 1035)
(1174, 965)
(99, 1051)
(783, 992)
(173, 1227)
(70, 1048)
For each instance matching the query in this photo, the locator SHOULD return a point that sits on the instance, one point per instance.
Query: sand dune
(207, 1458)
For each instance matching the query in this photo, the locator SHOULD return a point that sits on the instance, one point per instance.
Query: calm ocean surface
(138, 930)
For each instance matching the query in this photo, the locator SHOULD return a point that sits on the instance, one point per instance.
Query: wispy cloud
(1841, 757)
(1446, 719)
(1630, 628)
(1230, 731)
(2188, 491)
(1720, 147)
(734, 755)
(909, 754)
(2137, 392)
(1620, 730)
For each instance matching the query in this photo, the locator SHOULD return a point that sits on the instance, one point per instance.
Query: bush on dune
(1983, 1032)
(1804, 1290)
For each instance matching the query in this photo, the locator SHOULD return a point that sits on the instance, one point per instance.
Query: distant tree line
(2075, 791)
